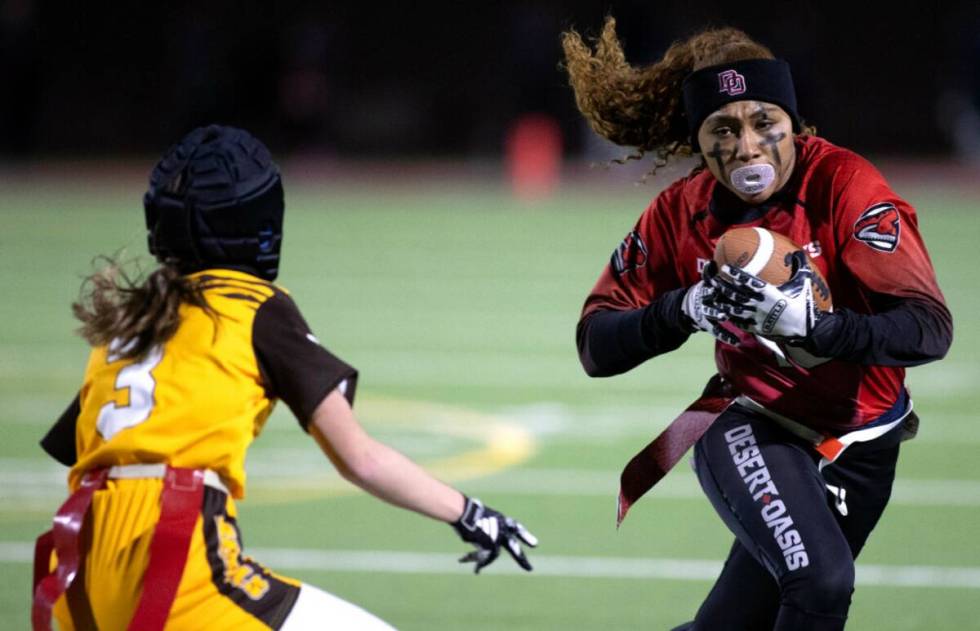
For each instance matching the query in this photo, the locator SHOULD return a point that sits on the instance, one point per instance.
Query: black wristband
(664, 319)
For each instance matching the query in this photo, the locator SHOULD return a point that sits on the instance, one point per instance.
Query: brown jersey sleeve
(59, 442)
(294, 365)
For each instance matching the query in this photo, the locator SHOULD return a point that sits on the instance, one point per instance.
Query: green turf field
(458, 305)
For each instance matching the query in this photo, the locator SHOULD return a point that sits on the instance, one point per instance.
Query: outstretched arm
(390, 476)
(319, 388)
(376, 467)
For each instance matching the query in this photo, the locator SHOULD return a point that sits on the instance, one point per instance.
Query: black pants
(792, 564)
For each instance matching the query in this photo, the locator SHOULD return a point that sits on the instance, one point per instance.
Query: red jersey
(862, 236)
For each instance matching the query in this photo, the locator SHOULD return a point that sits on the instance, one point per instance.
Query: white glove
(787, 312)
(698, 306)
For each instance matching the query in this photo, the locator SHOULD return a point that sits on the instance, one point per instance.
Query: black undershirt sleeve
(293, 364)
(613, 342)
(59, 442)
(907, 332)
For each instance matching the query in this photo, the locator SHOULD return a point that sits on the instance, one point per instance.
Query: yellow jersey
(200, 398)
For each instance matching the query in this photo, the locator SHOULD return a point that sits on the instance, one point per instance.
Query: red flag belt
(180, 505)
(651, 464)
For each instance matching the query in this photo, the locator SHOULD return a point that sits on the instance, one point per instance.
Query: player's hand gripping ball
(767, 285)
(489, 530)
(697, 306)
(769, 256)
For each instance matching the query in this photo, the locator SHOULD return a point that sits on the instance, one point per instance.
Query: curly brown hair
(642, 106)
(113, 305)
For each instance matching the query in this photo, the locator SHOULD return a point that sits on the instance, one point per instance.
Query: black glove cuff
(472, 511)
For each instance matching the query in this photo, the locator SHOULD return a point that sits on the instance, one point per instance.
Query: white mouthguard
(753, 179)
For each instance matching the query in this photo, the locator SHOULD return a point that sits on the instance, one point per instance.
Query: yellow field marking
(501, 444)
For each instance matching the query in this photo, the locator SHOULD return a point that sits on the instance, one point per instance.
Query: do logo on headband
(731, 82)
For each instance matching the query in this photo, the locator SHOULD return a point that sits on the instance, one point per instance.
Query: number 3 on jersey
(137, 380)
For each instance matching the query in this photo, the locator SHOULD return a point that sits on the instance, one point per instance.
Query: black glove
(487, 529)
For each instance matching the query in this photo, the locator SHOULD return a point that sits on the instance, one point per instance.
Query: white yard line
(395, 562)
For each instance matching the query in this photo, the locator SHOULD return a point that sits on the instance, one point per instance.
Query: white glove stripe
(489, 526)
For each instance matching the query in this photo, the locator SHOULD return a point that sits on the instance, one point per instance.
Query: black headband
(708, 89)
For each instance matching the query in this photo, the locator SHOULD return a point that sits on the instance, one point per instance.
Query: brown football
(766, 254)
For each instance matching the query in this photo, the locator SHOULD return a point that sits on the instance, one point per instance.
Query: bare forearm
(392, 477)
(376, 467)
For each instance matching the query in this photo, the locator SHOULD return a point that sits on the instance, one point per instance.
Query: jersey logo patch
(879, 227)
(630, 255)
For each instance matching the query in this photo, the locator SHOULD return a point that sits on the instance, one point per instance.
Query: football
(766, 254)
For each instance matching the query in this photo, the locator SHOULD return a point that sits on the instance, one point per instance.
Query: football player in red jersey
(185, 369)
(797, 436)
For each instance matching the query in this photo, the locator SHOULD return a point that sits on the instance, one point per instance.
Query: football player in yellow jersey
(185, 369)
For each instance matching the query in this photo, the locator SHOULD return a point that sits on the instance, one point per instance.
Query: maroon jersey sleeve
(634, 311)
(898, 316)
(879, 238)
(641, 268)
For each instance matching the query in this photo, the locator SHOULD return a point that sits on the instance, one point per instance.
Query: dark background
(369, 79)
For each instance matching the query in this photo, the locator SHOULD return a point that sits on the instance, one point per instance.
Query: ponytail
(140, 315)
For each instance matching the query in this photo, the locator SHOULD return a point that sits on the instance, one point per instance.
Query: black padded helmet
(215, 200)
